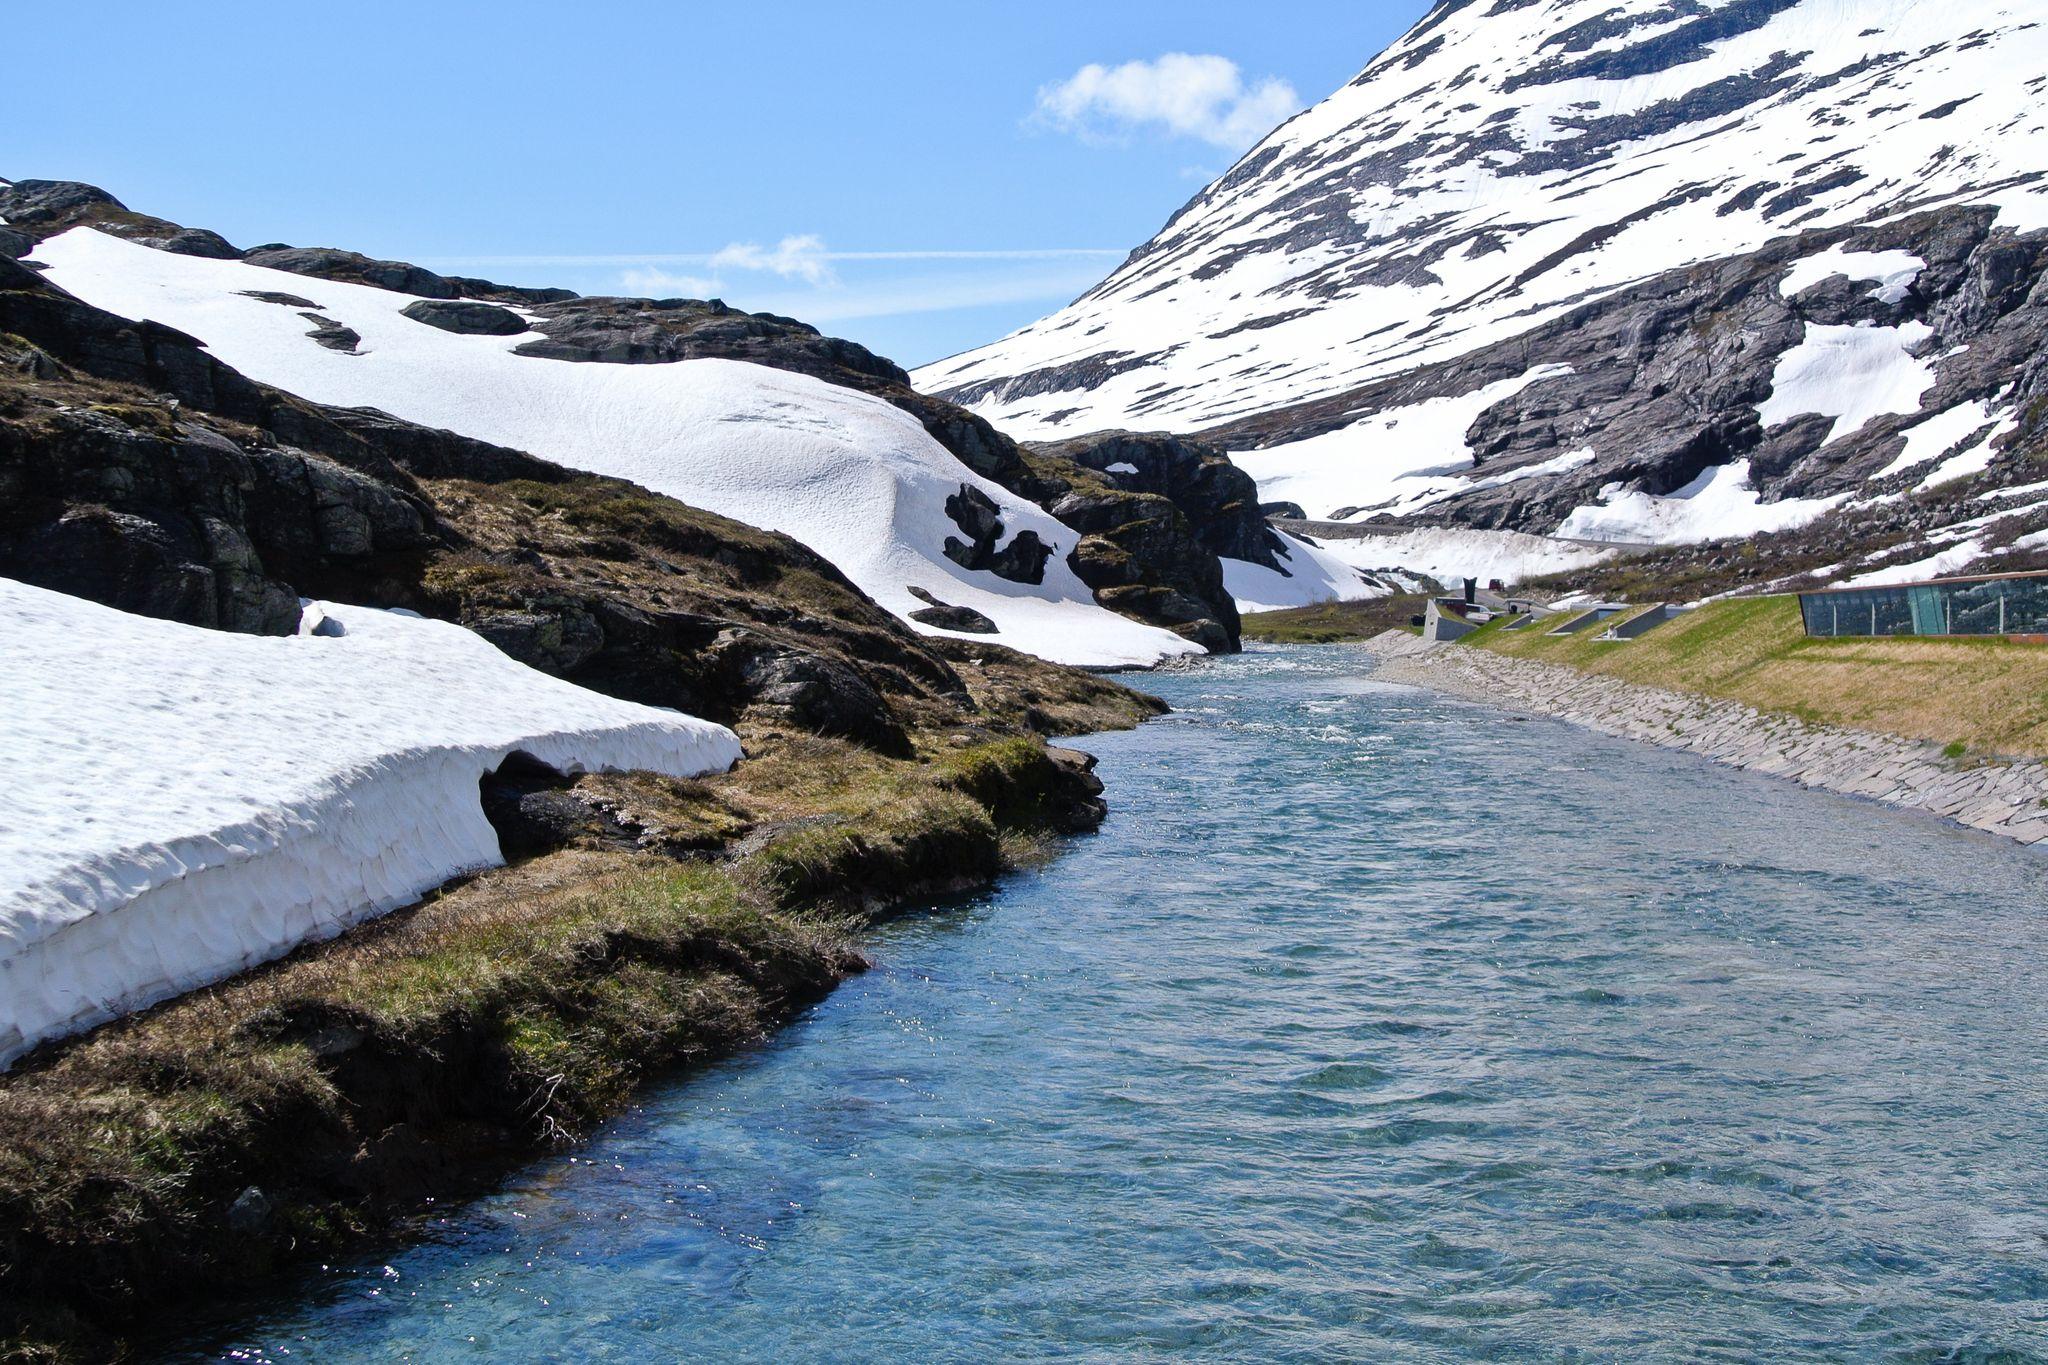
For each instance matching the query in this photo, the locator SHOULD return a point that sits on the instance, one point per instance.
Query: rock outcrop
(1150, 553)
(138, 471)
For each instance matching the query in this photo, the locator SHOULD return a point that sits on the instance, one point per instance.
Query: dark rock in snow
(333, 335)
(944, 616)
(466, 316)
(329, 263)
(197, 242)
(283, 300)
(977, 516)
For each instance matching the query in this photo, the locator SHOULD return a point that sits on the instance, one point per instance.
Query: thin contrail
(706, 257)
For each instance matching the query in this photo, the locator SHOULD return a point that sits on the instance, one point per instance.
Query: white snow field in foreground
(185, 803)
(849, 475)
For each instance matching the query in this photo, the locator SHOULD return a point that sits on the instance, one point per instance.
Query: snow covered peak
(1510, 159)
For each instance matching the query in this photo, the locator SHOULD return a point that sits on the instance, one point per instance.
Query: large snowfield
(849, 475)
(185, 803)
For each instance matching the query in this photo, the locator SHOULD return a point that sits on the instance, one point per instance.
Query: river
(1372, 1026)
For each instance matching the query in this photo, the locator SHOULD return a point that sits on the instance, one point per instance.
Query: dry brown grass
(1990, 696)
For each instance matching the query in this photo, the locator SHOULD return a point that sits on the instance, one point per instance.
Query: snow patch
(1396, 460)
(1852, 374)
(1975, 459)
(187, 803)
(1719, 504)
(1939, 565)
(1449, 554)
(1894, 272)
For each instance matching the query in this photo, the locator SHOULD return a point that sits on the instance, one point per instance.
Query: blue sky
(920, 176)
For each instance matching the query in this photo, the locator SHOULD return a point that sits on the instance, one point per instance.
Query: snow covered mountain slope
(847, 474)
(1506, 161)
(1624, 269)
(186, 803)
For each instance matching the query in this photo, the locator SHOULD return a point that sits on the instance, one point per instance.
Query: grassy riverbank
(318, 1102)
(1981, 696)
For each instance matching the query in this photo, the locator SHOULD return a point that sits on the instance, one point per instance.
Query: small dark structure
(2012, 605)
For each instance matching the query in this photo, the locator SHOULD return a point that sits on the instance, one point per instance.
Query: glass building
(2009, 604)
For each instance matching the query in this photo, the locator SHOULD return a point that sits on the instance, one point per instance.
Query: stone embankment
(2003, 798)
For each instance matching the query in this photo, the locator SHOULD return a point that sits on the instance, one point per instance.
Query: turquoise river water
(1372, 1026)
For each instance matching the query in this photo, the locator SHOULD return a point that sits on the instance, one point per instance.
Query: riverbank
(316, 1104)
(2008, 798)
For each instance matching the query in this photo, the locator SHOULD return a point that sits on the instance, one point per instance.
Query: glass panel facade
(1985, 606)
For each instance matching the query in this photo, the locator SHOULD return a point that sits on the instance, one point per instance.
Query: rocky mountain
(928, 507)
(1619, 271)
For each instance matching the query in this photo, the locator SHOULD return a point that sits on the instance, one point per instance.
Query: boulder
(808, 691)
(467, 317)
(333, 335)
(943, 616)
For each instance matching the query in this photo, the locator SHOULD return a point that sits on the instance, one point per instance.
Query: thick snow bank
(186, 803)
(849, 475)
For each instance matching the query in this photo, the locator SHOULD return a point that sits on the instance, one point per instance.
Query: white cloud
(794, 258)
(656, 282)
(1182, 94)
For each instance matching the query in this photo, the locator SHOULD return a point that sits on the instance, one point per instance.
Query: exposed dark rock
(197, 242)
(330, 263)
(466, 316)
(1288, 511)
(284, 300)
(145, 510)
(333, 335)
(1219, 500)
(944, 616)
(808, 691)
(15, 244)
(35, 203)
(978, 517)
(251, 1212)
(1666, 376)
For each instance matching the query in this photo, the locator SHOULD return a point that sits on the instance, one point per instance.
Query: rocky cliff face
(1165, 570)
(1615, 269)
